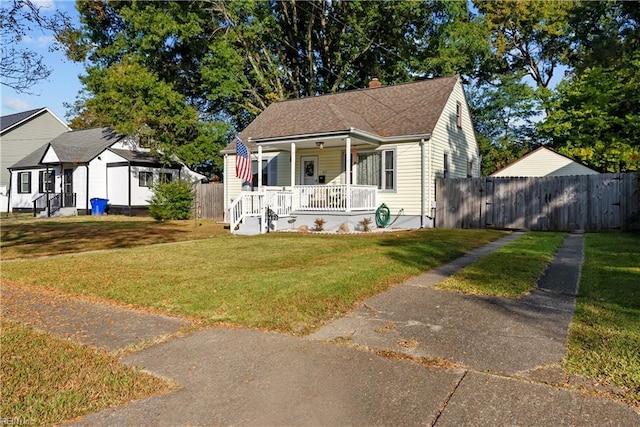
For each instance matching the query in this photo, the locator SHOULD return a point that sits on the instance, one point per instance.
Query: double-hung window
(376, 168)
(166, 177)
(24, 182)
(145, 179)
(46, 184)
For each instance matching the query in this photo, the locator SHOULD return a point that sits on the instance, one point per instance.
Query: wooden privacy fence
(209, 203)
(563, 203)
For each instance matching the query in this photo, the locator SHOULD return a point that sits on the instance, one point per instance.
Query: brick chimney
(374, 83)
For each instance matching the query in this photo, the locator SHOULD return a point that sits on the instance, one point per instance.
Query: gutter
(310, 137)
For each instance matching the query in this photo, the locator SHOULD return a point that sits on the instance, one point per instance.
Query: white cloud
(44, 4)
(16, 104)
(40, 41)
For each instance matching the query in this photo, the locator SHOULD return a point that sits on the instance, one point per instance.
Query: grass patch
(604, 339)
(30, 237)
(282, 281)
(512, 271)
(46, 380)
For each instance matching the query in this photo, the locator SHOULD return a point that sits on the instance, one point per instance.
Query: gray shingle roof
(141, 157)
(79, 146)
(11, 120)
(404, 109)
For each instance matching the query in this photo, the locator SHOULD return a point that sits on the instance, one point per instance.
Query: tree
(504, 114)
(133, 101)
(529, 36)
(20, 68)
(226, 61)
(595, 117)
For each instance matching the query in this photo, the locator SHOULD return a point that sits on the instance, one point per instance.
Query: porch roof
(384, 112)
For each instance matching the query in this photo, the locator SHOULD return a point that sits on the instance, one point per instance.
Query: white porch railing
(335, 198)
(301, 198)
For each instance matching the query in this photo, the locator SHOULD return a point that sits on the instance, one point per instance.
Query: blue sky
(63, 83)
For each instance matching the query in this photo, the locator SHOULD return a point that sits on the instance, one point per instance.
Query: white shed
(544, 162)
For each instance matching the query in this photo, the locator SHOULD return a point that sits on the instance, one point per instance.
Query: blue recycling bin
(98, 206)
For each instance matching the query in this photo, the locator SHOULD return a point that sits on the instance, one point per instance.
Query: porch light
(320, 145)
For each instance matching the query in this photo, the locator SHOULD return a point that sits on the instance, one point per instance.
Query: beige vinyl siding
(407, 186)
(544, 162)
(459, 142)
(25, 139)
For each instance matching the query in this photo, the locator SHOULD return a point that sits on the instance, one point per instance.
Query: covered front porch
(269, 204)
(321, 178)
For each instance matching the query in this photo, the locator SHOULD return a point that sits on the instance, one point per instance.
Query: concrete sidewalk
(251, 378)
(497, 335)
(247, 377)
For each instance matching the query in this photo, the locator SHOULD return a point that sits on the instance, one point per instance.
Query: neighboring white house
(20, 134)
(81, 165)
(544, 162)
(341, 156)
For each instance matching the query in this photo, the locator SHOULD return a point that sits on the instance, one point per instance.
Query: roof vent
(374, 83)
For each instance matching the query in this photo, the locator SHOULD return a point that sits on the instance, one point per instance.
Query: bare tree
(21, 68)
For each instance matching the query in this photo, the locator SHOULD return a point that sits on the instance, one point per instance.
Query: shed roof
(386, 111)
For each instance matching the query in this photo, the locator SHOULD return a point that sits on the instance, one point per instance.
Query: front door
(67, 188)
(309, 170)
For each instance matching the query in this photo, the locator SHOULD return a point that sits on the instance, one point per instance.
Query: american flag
(243, 162)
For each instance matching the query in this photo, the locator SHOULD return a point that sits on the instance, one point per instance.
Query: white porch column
(259, 167)
(225, 187)
(293, 165)
(348, 173)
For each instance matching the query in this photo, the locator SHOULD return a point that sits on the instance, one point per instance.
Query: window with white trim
(375, 168)
(46, 183)
(166, 177)
(24, 182)
(469, 168)
(458, 114)
(145, 179)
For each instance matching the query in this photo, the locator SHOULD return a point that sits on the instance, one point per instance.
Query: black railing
(51, 202)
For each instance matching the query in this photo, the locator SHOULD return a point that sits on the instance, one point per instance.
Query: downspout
(225, 190)
(129, 188)
(9, 193)
(422, 184)
(86, 193)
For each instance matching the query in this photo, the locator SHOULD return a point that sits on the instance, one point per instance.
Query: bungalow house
(346, 157)
(66, 173)
(544, 162)
(20, 134)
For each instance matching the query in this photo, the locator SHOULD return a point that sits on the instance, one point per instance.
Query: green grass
(31, 237)
(511, 271)
(604, 339)
(284, 281)
(46, 380)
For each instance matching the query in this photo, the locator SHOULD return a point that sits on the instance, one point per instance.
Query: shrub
(172, 200)
(319, 222)
(365, 224)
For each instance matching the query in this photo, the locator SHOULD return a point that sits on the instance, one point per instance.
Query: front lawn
(46, 380)
(282, 281)
(604, 337)
(511, 271)
(34, 237)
